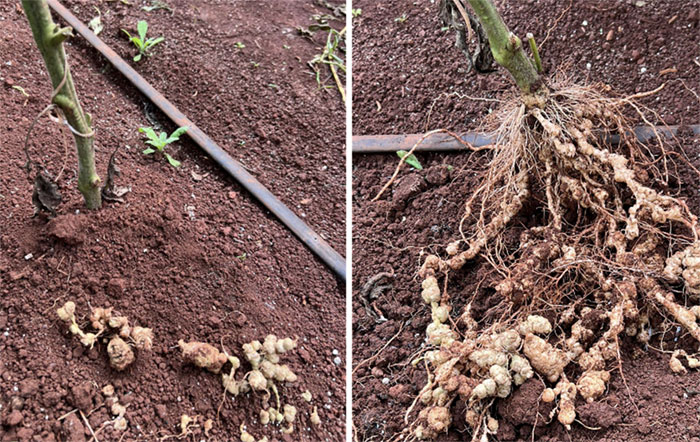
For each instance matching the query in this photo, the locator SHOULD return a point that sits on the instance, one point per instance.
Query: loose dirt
(394, 94)
(189, 253)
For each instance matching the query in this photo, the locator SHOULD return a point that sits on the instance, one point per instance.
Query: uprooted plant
(112, 329)
(264, 375)
(607, 249)
(333, 52)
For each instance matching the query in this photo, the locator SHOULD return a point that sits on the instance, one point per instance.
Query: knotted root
(111, 328)
(265, 374)
(595, 259)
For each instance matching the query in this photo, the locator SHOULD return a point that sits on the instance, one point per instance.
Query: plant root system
(602, 247)
(112, 329)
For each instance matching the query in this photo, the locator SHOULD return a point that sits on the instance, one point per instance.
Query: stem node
(506, 46)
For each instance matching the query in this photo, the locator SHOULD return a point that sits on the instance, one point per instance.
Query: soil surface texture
(188, 252)
(405, 68)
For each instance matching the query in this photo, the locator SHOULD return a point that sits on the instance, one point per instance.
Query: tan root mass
(607, 250)
(115, 330)
(120, 354)
(265, 373)
(202, 355)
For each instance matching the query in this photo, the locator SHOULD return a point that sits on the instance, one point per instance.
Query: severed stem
(506, 47)
(535, 52)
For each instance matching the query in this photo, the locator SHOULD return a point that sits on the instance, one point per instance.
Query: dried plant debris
(609, 249)
(110, 191)
(110, 328)
(45, 197)
(266, 373)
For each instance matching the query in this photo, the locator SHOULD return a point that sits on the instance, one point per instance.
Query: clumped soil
(421, 212)
(188, 253)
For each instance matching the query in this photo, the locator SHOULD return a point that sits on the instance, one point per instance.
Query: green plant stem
(49, 38)
(506, 47)
(535, 52)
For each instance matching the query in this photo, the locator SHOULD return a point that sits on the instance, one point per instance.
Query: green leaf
(154, 41)
(148, 151)
(156, 143)
(143, 28)
(411, 160)
(127, 33)
(176, 135)
(163, 136)
(137, 58)
(173, 162)
(150, 133)
(96, 25)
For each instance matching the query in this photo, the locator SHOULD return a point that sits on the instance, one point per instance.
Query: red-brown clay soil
(189, 253)
(400, 70)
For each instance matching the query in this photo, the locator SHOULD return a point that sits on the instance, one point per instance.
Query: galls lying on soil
(116, 409)
(264, 375)
(112, 329)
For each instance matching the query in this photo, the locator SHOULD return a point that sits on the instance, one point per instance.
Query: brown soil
(400, 70)
(189, 253)
(418, 62)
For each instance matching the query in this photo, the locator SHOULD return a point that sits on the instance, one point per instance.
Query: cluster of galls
(118, 410)
(266, 370)
(484, 366)
(686, 265)
(111, 328)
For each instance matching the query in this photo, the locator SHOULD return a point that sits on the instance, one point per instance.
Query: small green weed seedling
(401, 19)
(331, 56)
(143, 44)
(157, 4)
(411, 160)
(160, 142)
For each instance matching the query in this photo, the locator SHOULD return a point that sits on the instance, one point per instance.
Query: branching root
(601, 247)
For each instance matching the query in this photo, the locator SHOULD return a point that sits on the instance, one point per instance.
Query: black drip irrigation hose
(312, 240)
(441, 142)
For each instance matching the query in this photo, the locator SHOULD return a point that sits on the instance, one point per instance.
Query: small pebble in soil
(385, 381)
(28, 256)
(337, 360)
(335, 352)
